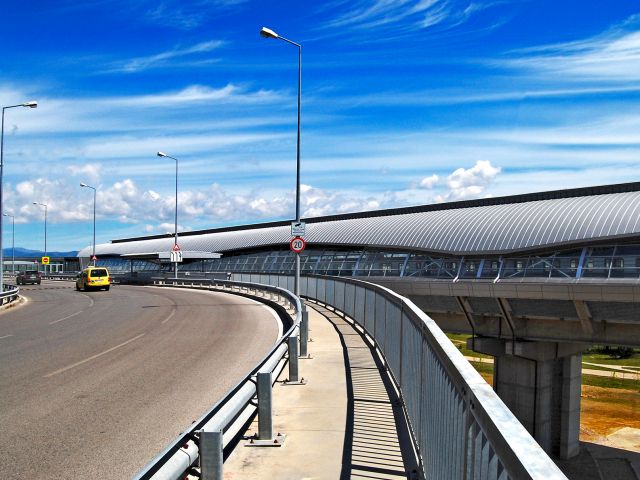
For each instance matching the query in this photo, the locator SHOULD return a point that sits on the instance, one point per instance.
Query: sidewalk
(344, 423)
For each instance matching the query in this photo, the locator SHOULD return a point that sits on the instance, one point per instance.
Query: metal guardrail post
(265, 422)
(304, 332)
(211, 455)
(293, 358)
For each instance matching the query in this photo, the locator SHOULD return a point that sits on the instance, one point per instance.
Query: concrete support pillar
(540, 383)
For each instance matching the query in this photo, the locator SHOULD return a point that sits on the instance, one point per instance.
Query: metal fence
(204, 441)
(10, 294)
(461, 428)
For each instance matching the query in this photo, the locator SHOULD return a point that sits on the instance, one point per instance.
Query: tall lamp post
(175, 233)
(268, 33)
(13, 242)
(45, 230)
(32, 104)
(93, 255)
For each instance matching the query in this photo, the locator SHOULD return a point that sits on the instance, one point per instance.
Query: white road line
(173, 312)
(6, 336)
(65, 318)
(93, 357)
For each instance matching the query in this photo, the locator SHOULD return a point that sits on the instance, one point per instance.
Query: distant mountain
(26, 253)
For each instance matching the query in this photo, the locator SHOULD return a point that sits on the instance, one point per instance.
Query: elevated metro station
(534, 278)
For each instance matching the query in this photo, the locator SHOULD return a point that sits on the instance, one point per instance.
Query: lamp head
(31, 104)
(84, 185)
(268, 33)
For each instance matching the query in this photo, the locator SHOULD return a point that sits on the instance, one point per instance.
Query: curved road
(94, 385)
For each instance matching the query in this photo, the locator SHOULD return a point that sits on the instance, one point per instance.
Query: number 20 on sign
(297, 244)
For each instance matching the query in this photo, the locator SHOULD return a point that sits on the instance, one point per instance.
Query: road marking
(6, 336)
(173, 312)
(93, 357)
(64, 318)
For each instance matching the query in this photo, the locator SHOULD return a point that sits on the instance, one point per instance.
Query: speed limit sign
(297, 244)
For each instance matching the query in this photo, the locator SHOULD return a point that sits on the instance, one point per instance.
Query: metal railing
(460, 427)
(60, 276)
(206, 438)
(10, 294)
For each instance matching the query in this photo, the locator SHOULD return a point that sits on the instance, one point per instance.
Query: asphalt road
(94, 385)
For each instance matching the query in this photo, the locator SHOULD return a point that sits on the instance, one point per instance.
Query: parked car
(28, 276)
(93, 277)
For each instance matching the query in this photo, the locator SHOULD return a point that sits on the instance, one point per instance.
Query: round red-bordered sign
(297, 244)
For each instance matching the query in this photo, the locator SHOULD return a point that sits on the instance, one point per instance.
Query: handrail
(10, 294)
(459, 425)
(178, 457)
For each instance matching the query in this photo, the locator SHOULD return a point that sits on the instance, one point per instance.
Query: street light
(268, 33)
(13, 242)
(45, 230)
(175, 234)
(93, 256)
(31, 104)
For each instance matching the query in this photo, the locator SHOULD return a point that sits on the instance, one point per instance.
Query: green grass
(608, 382)
(483, 367)
(460, 341)
(633, 361)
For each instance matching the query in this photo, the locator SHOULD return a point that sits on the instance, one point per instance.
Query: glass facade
(611, 261)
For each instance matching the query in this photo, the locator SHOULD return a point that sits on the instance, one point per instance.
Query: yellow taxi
(93, 277)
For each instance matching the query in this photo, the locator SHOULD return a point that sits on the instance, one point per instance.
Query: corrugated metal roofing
(481, 229)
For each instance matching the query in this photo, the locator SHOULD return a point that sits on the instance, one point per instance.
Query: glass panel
(490, 268)
(513, 267)
(597, 262)
(470, 268)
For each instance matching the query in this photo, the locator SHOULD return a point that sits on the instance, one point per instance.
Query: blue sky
(405, 102)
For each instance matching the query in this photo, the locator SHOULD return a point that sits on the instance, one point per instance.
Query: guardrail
(11, 293)
(204, 440)
(60, 276)
(459, 425)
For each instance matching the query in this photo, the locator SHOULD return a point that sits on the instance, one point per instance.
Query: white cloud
(470, 183)
(429, 182)
(186, 97)
(163, 59)
(399, 17)
(88, 172)
(614, 55)
(188, 15)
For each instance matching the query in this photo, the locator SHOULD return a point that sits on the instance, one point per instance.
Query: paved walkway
(345, 423)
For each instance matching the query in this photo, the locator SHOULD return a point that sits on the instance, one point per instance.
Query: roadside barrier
(204, 441)
(10, 294)
(460, 427)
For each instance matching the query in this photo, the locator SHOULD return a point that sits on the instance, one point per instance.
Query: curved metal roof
(485, 228)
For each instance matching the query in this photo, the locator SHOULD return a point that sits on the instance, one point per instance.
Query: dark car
(29, 276)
